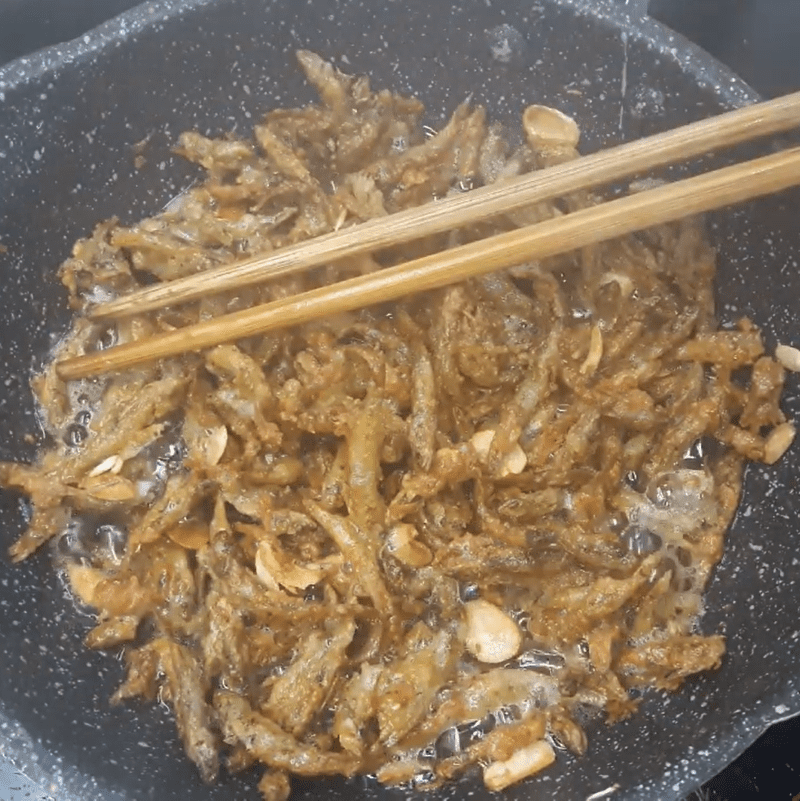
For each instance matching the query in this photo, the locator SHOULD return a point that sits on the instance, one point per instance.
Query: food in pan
(422, 538)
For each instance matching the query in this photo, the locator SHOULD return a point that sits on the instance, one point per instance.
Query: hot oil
(649, 528)
(95, 540)
(672, 507)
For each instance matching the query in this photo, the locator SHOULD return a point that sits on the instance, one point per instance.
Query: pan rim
(37, 66)
(729, 88)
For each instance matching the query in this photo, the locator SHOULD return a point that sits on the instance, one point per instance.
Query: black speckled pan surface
(68, 119)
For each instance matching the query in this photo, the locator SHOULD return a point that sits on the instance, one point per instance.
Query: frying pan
(69, 116)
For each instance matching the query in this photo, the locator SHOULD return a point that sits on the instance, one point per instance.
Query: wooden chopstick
(590, 171)
(589, 226)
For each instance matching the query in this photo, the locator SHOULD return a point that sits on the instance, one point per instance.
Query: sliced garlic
(789, 357)
(778, 442)
(492, 636)
(403, 543)
(549, 128)
(113, 464)
(482, 442)
(213, 444)
(521, 764)
(514, 461)
(275, 574)
(592, 360)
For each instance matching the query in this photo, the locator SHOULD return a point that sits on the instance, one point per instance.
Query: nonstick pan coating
(68, 119)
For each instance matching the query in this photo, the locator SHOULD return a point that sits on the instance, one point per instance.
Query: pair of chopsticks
(625, 215)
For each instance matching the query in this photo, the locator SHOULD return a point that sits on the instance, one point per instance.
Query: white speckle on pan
(505, 43)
